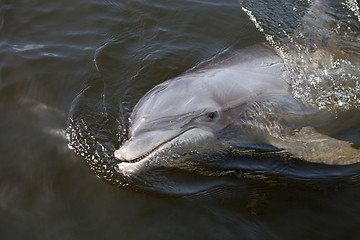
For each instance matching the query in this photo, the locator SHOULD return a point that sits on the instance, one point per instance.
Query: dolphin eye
(211, 114)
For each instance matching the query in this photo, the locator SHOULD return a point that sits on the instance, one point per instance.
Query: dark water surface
(96, 59)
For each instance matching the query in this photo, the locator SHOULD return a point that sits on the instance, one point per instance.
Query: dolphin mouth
(153, 150)
(156, 148)
(138, 159)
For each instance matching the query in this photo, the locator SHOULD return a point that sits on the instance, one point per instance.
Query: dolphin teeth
(138, 159)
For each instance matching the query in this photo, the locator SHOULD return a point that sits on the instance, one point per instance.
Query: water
(325, 73)
(83, 65)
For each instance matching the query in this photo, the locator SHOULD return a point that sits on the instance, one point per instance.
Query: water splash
(352, 5)
(94, 153)
(319, 43)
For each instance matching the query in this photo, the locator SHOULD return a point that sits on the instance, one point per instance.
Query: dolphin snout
(140, 146)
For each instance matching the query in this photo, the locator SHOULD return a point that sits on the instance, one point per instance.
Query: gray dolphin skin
(242, 98)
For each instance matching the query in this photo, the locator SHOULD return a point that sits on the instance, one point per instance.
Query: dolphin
(242, 98)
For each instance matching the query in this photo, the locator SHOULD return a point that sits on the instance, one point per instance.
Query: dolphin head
(180, 110)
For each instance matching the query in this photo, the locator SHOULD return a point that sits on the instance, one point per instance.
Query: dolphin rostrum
(242, 97)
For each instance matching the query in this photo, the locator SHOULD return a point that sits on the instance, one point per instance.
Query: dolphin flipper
(312, 146)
